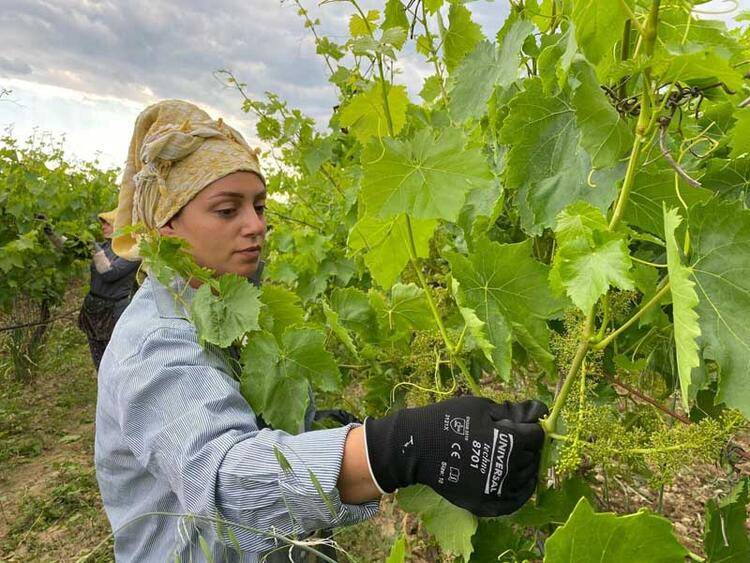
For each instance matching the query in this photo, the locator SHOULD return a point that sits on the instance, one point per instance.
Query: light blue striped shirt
(174, 434)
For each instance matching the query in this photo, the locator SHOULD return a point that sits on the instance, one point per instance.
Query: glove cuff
(369, 463)
(380, 438)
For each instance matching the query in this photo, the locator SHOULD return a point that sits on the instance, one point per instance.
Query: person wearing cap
(174, 435)
(112, 283)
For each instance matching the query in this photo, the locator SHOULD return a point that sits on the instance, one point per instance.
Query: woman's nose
(253, 223)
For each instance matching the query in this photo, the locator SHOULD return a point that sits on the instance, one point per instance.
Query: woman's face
(224, 224)
(107, 229)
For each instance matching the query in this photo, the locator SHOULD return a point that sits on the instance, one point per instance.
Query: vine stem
(435, 313)
(627, 184)
(550, 423)
(637, 315)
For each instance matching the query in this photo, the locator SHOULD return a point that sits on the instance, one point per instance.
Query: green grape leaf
(398, 551)
(493, 537)
(545, 162)
(605, 135)
(426, 177)
(365, 116)
(354, 311)
(589, 536)
(407, 309)
(360, 27)
(385, 244)
(589, 259)
(694, 62)
(684, 301)
(726, 539)
(317, 153)
(283, 306)
(432, 6)
(599, 25)
(508, 290)
(485, 68)
(720, 234)
(281, 398)
(740, 136)
(555, 60)
(554, 506)
(224, 315)
(430, 88)
(461, 36)
(395, 17)
(475, 328)
(452, 526)
(730, 178)
(332, 320)
(652, 190)
(276, 375)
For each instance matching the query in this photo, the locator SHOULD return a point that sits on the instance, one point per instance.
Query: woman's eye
(260, 209)
(228, 212)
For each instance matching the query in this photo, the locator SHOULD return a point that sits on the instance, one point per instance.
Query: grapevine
(563, 214)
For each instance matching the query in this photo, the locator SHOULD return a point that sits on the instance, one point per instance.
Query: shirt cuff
(308, 481)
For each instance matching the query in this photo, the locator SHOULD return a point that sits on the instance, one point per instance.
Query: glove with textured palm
(478, 454)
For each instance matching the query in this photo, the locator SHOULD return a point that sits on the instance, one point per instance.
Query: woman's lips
(250, 253)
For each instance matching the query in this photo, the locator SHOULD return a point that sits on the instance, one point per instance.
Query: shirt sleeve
(118, 267)
(185, 421)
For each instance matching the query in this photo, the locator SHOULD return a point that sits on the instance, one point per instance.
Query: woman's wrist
(355, 483)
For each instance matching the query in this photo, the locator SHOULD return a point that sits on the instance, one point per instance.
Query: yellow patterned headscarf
(108, 216)
(176, 151)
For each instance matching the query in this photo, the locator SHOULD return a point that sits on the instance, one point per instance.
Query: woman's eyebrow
(221, 194)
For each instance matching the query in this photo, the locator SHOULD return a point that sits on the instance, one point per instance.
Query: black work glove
(478, 454)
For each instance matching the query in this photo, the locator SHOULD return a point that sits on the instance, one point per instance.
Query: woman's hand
(478, 454)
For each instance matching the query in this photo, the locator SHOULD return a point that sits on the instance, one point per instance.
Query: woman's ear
(168, 229)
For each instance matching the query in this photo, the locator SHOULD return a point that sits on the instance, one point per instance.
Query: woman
(112, 284)
(173, 433)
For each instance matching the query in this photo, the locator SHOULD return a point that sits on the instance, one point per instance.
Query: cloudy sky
(85, 68)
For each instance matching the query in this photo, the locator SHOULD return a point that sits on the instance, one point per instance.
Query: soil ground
(50, 509)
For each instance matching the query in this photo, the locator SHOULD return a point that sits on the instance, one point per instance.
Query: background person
(112, 284)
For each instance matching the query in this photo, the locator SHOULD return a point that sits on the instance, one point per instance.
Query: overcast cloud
(87, 67)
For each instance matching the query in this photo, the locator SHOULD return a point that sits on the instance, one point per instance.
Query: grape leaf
(452, 526)
(694, 62)
(493, 537)
(360, 27)
(555, 60)
(430, 88)
(684, 301)
(720, 234)
(407, 309)
(651, 190)
(545, 162)
(605, 135)
(398, 551)
(729, 178)
(395, 17)
(354, 311)
(554, 506)
(508, 290)
(475, 328)
(642, 537)
(589, 258)
(222, 317)
(426, 177)
(485, 68)
(283, 306)
(332, 320)
(599, 25)
(276, 376)
(385, 244)
(461, 36)
(726, 539)
(740, 136)
(365, 115)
